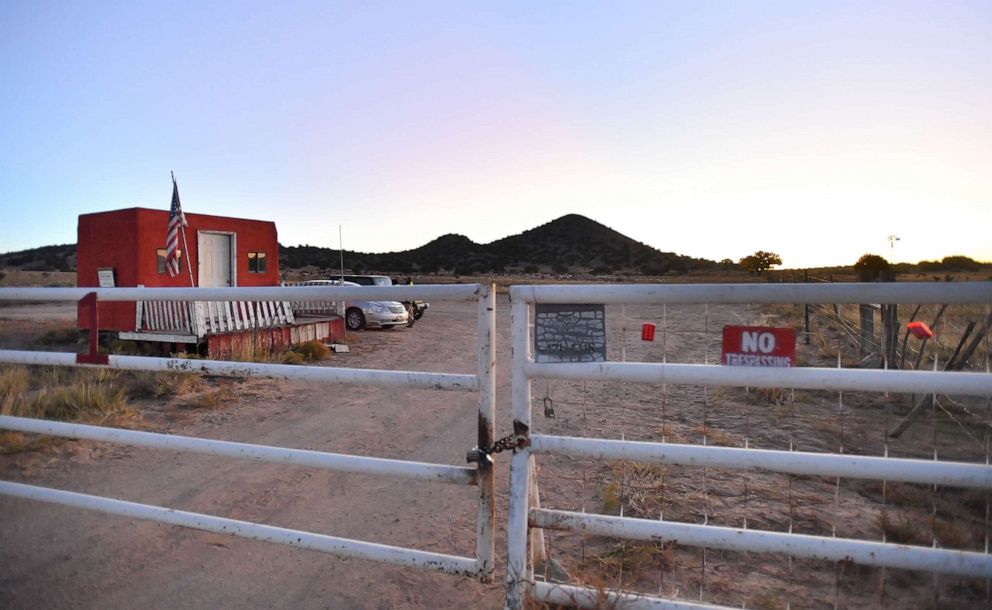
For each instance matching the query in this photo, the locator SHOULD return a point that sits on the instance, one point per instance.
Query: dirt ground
(58, 557)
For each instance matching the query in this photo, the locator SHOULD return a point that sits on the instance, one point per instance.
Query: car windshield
(382, 281)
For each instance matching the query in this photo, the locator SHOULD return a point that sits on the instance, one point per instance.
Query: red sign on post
(758, 346)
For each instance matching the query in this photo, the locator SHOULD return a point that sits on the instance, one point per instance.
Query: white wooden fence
(197, 319)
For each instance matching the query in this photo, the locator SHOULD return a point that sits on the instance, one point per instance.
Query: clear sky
(713, 129)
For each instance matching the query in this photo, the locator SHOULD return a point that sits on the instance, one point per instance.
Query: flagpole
(189, 266)
(341, 250)
(182, 227)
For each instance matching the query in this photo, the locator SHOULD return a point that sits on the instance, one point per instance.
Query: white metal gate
(481, 383)
(528, 519)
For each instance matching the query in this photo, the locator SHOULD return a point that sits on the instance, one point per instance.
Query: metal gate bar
(344, 547)
(393, 379)
(263, 453)
(800, 378)
(957, 474)
(907, 557)
(585, 597)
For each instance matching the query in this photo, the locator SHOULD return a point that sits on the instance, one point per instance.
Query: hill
(567, 244)
(45, 258)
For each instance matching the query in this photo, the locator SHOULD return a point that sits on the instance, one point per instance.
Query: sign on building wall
(758, 346)
(569, 333)
(106, 277)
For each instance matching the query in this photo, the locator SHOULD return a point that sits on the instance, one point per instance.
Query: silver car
(368, 314)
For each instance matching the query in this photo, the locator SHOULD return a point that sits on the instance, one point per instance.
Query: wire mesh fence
(931, 427)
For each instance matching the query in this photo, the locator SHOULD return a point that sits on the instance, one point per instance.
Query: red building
(129, 247)
(126, 248)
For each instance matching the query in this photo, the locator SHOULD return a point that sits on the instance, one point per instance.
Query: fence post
(867, 329)
(890, 332)
(520, 473)
(89, 303)
(485, 542)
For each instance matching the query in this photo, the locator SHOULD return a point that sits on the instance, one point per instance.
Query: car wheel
(354, 319)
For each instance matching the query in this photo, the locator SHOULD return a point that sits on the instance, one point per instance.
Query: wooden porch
(230, 325)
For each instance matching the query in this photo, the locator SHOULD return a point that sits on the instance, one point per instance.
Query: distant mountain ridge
(570, 244)
(567, 244)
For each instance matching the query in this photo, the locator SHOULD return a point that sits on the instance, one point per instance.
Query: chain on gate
(519, 439)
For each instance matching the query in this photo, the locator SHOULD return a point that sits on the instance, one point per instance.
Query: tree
(872, 268)
(760, 261)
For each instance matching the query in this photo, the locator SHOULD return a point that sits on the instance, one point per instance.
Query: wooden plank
(232, 322)
(163, 337)
(157, 315)
(290, 318)
(243, 314)
(224, 314)
(269, 322)
(211, 317)
(259, 315)
(138, 310)
(199, 323)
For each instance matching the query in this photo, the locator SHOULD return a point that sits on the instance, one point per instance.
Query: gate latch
(484, 455)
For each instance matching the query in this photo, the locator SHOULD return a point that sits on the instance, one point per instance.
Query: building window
(257, 263)
(161, 260)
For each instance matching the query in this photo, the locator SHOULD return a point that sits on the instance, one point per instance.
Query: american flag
(176, 221)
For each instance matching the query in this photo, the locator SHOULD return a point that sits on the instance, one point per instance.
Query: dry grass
(93, 395)
(213, 399)
(148, 384)
(82, 395)
(638, 492)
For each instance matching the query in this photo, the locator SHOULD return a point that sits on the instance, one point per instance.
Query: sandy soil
(59, 557)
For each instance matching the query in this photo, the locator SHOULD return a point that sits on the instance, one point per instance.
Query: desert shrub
(292, 358)
(314, 350)
(148, 384)
(654, 269)
(530, 269)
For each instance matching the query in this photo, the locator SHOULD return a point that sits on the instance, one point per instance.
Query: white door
(215, 260)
